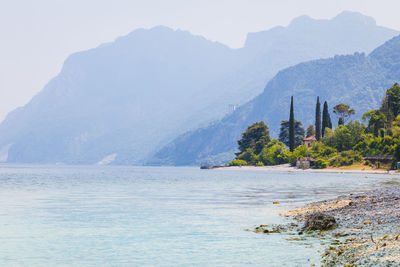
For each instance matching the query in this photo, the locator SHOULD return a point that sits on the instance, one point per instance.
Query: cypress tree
(291, 127)
(318, 120)
(326, 119)
(329, 121)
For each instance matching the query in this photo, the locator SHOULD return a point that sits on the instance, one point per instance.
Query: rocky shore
(367, 230)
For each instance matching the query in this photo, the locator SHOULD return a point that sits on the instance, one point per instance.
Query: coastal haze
(199, 133)
(121, 102)
(38, 36)
(359, 79)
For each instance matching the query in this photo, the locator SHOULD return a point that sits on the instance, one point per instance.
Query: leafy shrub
(320, 150)
(321, 164)
(260, 164)
(371, 145)
(274, 153)
(237, 162)
(346, 158)
(299, 153)
(249, 156)
(345, 137)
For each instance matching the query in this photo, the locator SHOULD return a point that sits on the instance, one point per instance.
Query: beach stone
(319, 221)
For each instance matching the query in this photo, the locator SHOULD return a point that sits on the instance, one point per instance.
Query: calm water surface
(150, 216)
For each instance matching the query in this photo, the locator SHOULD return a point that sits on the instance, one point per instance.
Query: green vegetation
(343, 112)
(346, 158)
(345, 137)
(298, 131)
(274, 153)
(318, 132)
(393, 98)
(376, 121)
(346, 145)
(310, 130)
(255, 137)
(321, 164)
(291, 127)
(237, 162)
(326, 119)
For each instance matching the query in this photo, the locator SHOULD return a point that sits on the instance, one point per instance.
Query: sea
(160, 216)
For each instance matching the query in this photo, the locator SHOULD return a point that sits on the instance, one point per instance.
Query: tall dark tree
(329, 121)
(298, 132)
(292, 137)
(326, 119)
(318, 120)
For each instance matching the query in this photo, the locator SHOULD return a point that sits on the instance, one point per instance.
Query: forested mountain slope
(357, 80)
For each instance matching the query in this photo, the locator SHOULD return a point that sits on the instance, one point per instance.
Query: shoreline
(368, 232)
(288, 168)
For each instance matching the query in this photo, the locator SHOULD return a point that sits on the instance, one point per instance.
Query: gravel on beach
(368, 228)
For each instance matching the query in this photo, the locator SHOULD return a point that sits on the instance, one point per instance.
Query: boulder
(319, 221)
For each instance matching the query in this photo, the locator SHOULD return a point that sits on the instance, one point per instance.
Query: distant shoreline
(288, 168)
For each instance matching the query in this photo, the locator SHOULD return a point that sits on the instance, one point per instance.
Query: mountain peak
(301, 20)
(354, 17)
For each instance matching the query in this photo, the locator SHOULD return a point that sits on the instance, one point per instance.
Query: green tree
(397, 153)
(376, 145)
(376, 121)
(255, 137)
(343, 112)
(345, 137)
(318, 133)
(292, 141)
(310, 131)
(274, 153)
(326, 118)
(393, 97)
(249, 156)
(298, 130)
(396, 127)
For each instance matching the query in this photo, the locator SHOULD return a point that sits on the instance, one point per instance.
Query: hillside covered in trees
(374, 145)
(358, 79)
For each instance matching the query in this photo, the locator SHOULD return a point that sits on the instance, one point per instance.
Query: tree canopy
(376, 121)
(343, 112)
(393, 95)
(255, 137)
(318, 132)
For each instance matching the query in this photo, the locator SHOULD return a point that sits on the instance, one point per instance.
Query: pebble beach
(368, 230)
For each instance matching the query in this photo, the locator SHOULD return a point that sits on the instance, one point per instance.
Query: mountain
(357, 80)
(120, 102)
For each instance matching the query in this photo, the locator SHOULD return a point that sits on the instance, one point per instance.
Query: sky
(37, 36)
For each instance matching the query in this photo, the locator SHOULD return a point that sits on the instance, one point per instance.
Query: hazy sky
(37, 36)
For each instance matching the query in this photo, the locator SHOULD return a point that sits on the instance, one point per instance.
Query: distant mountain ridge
(120, 102)
(357, 80)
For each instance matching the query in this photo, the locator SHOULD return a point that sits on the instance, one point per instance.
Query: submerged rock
(319, 221)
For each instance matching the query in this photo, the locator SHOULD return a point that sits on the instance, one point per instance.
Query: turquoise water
(151, 216)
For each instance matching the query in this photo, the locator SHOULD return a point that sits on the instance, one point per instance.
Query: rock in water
(319, 221)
